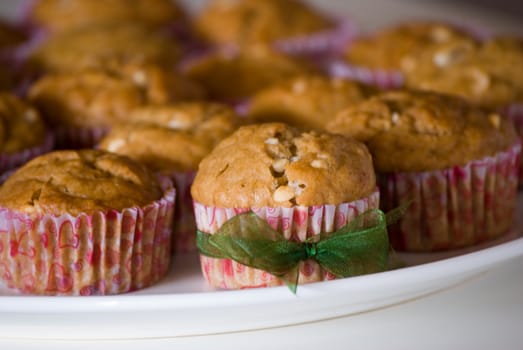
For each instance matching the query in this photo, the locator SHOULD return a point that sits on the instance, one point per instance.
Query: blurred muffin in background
(82, 106)
(60, 16)
(108, 45)
(309, 101)
(172, 139)
(231, 75)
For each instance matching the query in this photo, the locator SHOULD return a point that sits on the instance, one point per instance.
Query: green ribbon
(360, 247)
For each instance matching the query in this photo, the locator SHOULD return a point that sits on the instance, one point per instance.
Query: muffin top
(95, 98)
(171, 137)
(306, 101)
(414, 131)
(108, 45)
(59, 15)
(276, 165)
(241, 22)
(234, 75)
(397, 47)
(20, 125)
(78, 182)
(488, 75)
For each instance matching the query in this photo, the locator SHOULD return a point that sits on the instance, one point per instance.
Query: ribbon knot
(311, 249)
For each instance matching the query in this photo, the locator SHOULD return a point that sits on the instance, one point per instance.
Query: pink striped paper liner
(10, 161)
(384, 79)
(455, 207)
(295, 223)
(104, 253)
(515, 113)
(329, 42)
(184, 233)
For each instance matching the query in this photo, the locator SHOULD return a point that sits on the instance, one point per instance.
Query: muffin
(305, 101)
(108, 46)
(301, 183)
(252, 69)
(455, 162)
(290, 25)
(23, 134)
(489, 75)
(60, 16)
(381, 58)
(83, 223)
(82, 106)
(172, 140)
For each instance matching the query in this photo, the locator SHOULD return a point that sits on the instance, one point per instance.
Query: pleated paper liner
(515, 113)
(456, 207)
(104, 253)
(9, 161)
(295, 223)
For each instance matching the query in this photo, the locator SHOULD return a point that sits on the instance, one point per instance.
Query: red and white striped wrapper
(73, 137)
(295, 224)
(384, 79)
(184, 234)
(10, 161)
(455, 207)
(100, 254)
(325, 43)
(515, 113)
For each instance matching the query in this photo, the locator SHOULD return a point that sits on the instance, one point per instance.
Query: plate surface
(182, 305)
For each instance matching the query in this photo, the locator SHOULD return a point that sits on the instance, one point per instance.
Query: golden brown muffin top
(414, 131)
(60, 16)
(21, 126)
(488, 75)
(306, 101)
(397, 47)
(276, 165)
(105, 46)
(95, 98)
(244, 22)
(171, 137)
(232, 75)
(78, 182)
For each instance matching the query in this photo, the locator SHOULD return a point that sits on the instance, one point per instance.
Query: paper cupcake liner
(184, 233)
(515, 113)
(296, 224)
(105, 253)
(71, 137)
(10, 161)
(325, 43)
(384, 79)
(455, 207)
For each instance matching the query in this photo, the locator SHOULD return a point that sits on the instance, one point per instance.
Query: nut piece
(481, 80)
(283, 194)
(395, 118)
(279, 165)
(495, 120)
(115, 145)
(319, 164)
(272, 141)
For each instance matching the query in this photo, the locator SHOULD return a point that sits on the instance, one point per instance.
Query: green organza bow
(360, 247)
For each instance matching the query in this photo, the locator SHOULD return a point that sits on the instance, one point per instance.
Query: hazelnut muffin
(246, 22)
(172, 140)
(488, 75)
(60, 16)
(82, 106)
(23, 134)
(457, 163)
(108, 45)
(381, 58)
(305, 101)
(253, 69)
(82, 223)
(301, 183)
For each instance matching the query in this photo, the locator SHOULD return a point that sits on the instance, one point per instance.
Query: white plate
(182, 305)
